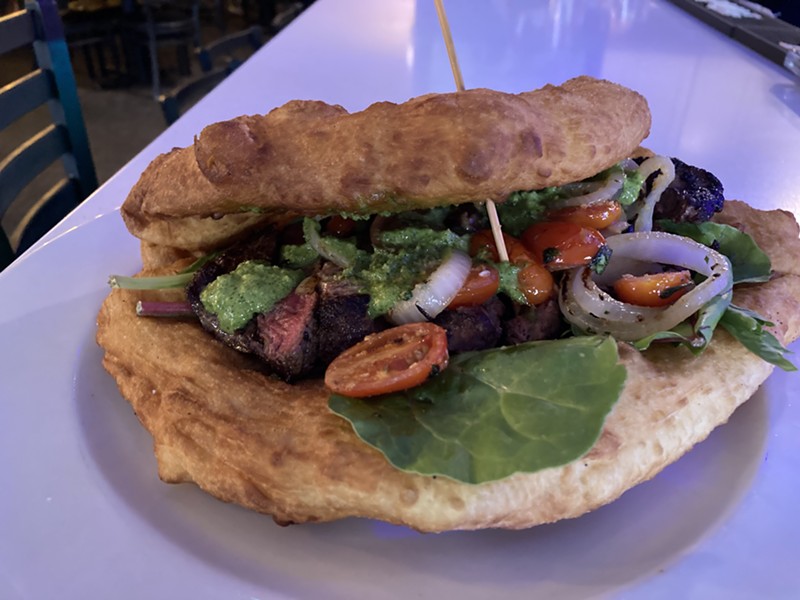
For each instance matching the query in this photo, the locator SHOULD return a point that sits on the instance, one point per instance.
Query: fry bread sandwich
(327, 325)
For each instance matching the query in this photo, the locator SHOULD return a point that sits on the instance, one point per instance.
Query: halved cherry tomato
(597, 215)
(481, 284)
(389, 361)
(484, 240)
(535, 283)
(339, 226)
(561, 244)
(657, 289)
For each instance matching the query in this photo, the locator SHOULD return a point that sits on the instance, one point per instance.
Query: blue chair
(50, 81)
(163, 24)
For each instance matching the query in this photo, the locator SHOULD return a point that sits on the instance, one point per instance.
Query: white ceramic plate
(85, 516)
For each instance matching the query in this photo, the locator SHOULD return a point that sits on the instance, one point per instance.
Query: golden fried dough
(248, 438)
(308, 157)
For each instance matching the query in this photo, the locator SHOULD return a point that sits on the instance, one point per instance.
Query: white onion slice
(594, 191)
(325, 250)
(430, 298)
(644, 220)
(585, 305)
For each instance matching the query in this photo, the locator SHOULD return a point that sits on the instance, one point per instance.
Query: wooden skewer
(494, 220)
(448, 42)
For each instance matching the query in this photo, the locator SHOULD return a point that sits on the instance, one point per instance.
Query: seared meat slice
(341, 315)
(260, 247)
(288, 334)
(543, 322)
(343, 322)
(470, 328)
(694, 195)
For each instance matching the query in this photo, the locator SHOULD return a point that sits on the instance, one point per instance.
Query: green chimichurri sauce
(252, 288)
(409, 238)
(630, 188)
(523, 208)
(298, 256)
(405, 258)
(509, 281)
(389, 277)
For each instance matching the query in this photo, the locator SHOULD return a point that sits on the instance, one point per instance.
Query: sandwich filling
(417, 311)
(602, 256)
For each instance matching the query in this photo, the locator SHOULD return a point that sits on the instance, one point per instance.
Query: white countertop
(82, 513)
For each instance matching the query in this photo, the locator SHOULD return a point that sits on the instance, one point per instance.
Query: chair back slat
(23, 165)
(48, 212)
(251, 38)
(53, 82)
(24, 95)
(16, 30)
(174, 102)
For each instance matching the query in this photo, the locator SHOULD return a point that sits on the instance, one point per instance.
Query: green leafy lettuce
(748, 327)
(498, 412)
(695, 333)
(749, 262)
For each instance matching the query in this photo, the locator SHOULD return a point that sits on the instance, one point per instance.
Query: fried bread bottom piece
(248, 438)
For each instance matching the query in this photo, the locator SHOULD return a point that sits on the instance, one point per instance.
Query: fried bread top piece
(312, 158)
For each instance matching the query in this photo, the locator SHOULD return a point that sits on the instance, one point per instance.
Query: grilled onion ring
(588, 307)
(431, 297)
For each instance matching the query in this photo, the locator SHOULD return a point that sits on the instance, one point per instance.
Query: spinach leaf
(695, 335)
(748, 327)
(494, 413)
(749, 262)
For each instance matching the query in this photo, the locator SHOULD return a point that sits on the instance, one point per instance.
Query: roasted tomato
(597, 215)
(535, 283)
(389, 361)
(481, 284)
(561, 244)
(484, 240)
(657, 289)
(339, 226)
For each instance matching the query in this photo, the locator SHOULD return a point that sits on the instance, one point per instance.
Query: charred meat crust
(304, 331)
(543, 322)
(695, 195)
(473, 327)
(261, 247)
